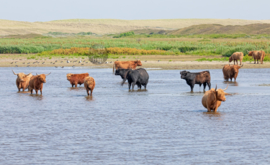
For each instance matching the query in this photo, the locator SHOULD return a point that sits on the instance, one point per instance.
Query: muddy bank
(149, 61)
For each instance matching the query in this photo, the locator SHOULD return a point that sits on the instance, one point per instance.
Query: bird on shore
(24, 63)
(67, 61)
(62, 67)
(80, 61)
(158, 60)
(43, 63)
(145, 61)
(11, 63)
(55, 60)
(82, 64)
(73, 66)
(28, 65)
(56, 66)
(16, 65)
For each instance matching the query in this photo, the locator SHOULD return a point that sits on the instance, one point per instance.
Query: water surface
(166, 124)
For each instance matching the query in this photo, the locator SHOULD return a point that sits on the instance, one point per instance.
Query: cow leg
(36, 91)
(87, 91)
(204, 85)
(133, 84)
(91, 92)
(191, 87)
(41, 91)
(31, 91)
(76, 85)
(129, 84)
(209, 85)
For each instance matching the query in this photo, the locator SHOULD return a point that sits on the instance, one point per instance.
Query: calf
(196, 78)
(139, 77)
(22, 80)
(36, 82)
(211, 99)
(76, 79)
(89, 84)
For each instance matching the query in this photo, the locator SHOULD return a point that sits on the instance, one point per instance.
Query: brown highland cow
(236, 56)
(22, 80)
(257, 55)
(211, 99)
(36, 82)
(89, 84)
(126, 64)
(76, 79)
(230, 72)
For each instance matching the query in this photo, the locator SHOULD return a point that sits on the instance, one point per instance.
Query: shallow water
(166, 124)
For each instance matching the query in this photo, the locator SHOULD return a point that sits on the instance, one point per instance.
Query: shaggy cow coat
(76, 79)
(22, 80)
(89, 84)
(36, 82)
(126, 64)
(236, 56)
(230, 72)
(257, 55)
(211, 99)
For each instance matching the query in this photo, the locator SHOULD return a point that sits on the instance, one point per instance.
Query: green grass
(202, 47)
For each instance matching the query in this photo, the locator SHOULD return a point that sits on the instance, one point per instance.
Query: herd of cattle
(127, 70)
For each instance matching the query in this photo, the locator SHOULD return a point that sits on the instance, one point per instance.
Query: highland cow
(76, 79)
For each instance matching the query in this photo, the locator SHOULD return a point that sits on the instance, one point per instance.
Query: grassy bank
(171, 46)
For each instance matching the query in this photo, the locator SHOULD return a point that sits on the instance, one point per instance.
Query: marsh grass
(164, 46)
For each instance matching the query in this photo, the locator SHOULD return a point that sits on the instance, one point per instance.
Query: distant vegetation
(171, 46)
(57, 34)
(124, 34)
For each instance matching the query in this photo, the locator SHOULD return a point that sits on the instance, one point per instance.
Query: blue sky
(40, 10)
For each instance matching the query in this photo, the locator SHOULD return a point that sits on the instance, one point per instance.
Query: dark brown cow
(196, 78)
(22, 80)
(257, 55)
(36, 82)
(76, 79)
(212, 99)
(126, 64)
(89, 84)
(231, 71)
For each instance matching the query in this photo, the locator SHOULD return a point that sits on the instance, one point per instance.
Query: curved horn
(226, 87)
(14, 73)
(216, 88)
(48, 74)
(28, 74)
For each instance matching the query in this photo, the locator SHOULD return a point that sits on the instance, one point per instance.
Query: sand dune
(108, 26)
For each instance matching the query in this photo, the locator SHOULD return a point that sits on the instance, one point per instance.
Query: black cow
(121, 72)
(139, 77)
(197, 78)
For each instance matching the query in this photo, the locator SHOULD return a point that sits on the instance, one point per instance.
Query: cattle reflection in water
(212, 114)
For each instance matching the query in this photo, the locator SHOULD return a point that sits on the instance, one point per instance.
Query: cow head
(236, 68)
(42, 77)
(69, 76)
(230, 59)
(22, 76)
(139, 63)
(220, 94)
(184, 74)
(250, 53)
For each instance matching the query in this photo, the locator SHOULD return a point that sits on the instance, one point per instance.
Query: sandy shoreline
(154, 61)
